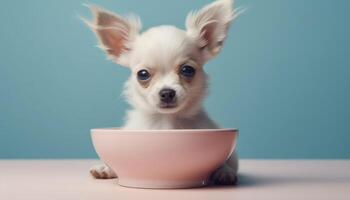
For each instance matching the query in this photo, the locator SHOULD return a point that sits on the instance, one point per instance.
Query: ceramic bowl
(164, 158)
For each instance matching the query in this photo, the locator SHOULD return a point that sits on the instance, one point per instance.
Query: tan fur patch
(146, 83)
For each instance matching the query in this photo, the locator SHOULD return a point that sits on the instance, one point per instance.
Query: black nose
(167, 95)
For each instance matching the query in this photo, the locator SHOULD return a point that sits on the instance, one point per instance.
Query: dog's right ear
(115, 34)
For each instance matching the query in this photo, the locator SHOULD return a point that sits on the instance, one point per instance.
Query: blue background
(282, 78)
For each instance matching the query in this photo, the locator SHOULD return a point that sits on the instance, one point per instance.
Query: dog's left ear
(209, 26)
(115, 33)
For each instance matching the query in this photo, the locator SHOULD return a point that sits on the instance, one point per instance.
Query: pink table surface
(258, 179)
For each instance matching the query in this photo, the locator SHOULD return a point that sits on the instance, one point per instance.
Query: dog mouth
(167, 105)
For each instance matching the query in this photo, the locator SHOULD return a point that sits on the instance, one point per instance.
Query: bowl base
(162, 184)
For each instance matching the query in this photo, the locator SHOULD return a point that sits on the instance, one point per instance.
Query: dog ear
(209, 26)
(115, 33)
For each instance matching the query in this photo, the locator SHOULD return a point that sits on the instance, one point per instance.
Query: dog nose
(167, 95)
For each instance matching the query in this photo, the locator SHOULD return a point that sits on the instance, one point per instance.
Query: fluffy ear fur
(209, 25)
(115, 34)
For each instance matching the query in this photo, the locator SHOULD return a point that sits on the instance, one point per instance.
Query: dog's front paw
(225, 175)
(102, 172)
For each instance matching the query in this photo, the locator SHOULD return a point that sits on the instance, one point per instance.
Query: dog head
(166, 62)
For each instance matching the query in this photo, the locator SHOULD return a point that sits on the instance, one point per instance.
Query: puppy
(168, 82)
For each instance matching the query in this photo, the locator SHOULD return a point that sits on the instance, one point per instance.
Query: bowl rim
(115, 130)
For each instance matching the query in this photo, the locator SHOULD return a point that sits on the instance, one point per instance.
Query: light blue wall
(283, 77)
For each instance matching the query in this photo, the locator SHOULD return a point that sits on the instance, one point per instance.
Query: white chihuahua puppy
(168, 83)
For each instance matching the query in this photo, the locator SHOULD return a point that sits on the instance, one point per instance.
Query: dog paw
(102, 172)
(225, 175)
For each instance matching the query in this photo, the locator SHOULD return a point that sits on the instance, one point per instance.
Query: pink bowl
(164, 158)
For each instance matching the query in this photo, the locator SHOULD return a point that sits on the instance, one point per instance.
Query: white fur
(161, 50)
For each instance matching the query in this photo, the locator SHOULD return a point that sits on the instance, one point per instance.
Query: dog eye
(143, 75)
(187, 71)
